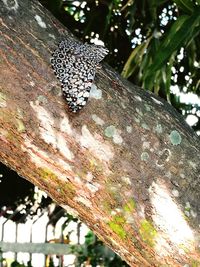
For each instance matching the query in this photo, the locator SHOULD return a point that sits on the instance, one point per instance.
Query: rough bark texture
(127, 164)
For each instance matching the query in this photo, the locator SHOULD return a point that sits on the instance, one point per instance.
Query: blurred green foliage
(95, 253)
(155, 44)
(17, 264)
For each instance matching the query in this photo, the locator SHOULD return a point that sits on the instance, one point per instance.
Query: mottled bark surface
(127, 164)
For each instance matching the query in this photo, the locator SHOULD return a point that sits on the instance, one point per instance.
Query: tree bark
(127, 164)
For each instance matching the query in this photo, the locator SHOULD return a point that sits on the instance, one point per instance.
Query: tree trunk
(127, 164)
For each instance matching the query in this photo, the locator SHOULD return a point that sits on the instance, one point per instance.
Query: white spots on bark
(63, 148)
(129, 129)
(65, 126)
(193, 214)
(117, 139)
(93, 187)
(144, 156)
(95, 92)
(116, 211)
(137, 97)
(98, 120)
(42, 160)
(158, 128)
(3, 135)
(52, 36)
(20, 126)
(113, 212)
(83, 195)
(41, 99)
(114, 189)
(40, 22)
(156, 101)
(89, 177)
(46, 123)
(112, 132)
(168, 174)
(137, 120)
(123, 105)
(146, 145)
(95, 144)
(48, 133)
(85, 201)
(188, 211)
(129, 218)
(182, 175)
(145, 126)
(192, 164)
(139, 112)
(147, 107)
(32, 83)
(126, 180)
(177, 231)
(3, 103)
(11, 5)
(77, 180)
(175, 193)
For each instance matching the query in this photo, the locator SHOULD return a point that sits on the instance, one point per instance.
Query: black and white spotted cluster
(75, 65)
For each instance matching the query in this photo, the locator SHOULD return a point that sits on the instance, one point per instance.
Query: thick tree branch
(127, 164)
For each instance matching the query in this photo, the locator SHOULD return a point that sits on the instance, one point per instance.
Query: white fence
(37, 240)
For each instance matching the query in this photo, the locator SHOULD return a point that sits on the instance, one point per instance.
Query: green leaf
(180, 33)
(185, 5)
(135, 58)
